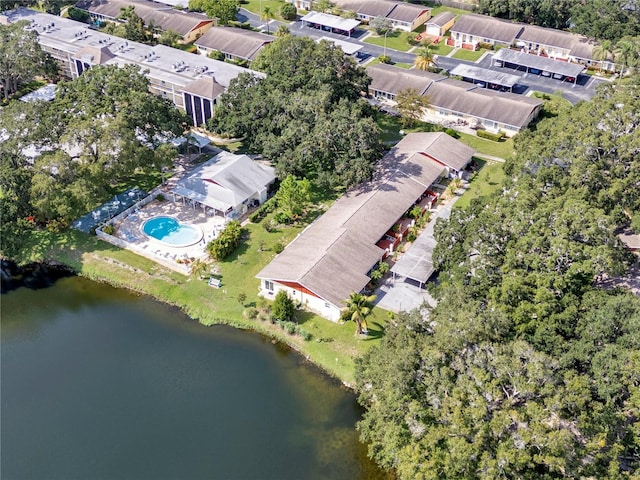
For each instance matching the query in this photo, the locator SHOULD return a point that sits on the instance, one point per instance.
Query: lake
(99, 383)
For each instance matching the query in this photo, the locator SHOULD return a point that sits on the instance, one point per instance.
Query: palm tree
(358, 309)
(267, 15)
(424, 58)
(282, 31)
(602, 52)
(626, 50)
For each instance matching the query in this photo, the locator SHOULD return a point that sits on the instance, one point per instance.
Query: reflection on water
(101, 383)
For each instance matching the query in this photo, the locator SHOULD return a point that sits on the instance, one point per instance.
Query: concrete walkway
(405, 295)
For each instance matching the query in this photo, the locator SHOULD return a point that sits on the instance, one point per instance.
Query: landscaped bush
(412, 38)
(216, 55)
(384, 59)
(283, 307)
(452, 133)
(486, 46)
(288, 11)
(160, 197)
(228, 240)
(77, 14)
(496, 137)
(245, 25)
(264, 209)
(278, 247)
(250, 313)
(282, 218)
(109, 229)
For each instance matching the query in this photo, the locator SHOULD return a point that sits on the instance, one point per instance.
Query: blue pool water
(171, 232)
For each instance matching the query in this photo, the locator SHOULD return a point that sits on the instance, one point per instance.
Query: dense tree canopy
(31, 61)
(99, 129)
(601, 19)
(224, 10)
(524, 369)
(306, 115)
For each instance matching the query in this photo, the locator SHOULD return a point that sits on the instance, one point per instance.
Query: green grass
(441, 8)
(396, 40)
(101, 261)
(390, 132)
(399, 64)
(254, 7)
(488, 179)
(469, 55)
(502, 149)
(441, 48)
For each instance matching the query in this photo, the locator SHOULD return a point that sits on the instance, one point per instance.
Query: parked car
(545, 74)
(557, 76)
(535, 71)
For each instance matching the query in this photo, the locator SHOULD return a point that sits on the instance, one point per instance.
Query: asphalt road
(584, 90)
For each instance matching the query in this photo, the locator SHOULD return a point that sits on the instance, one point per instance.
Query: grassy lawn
(441, 48)
(375, 61)
(488, 147)
(333, 346)
(396, 40)
(441, 8)
(469, 55)
(254, 7)
(390, 131)
(488, 179)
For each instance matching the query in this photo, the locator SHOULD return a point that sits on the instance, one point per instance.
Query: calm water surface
(98, 383)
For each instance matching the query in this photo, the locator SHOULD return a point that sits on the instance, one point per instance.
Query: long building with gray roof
(454, 99)
(172, 73)
(189, 25)
(234, 43)
(333, 257)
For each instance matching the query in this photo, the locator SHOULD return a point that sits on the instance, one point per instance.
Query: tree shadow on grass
(376, 330)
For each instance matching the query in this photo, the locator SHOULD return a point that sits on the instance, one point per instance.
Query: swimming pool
(171, 232)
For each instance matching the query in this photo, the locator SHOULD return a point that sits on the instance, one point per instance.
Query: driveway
(584, 90)
(405, 295)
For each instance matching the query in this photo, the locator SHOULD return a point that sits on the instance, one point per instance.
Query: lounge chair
(215, 282)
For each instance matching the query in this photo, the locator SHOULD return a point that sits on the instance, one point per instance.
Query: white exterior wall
(309, 302)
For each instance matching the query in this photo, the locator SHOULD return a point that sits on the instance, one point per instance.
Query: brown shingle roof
(371, 8)
(234, 41)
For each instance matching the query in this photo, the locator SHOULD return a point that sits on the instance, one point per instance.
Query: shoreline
(46, 272)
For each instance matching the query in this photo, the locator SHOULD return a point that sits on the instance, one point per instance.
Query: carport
(330, 23)
(416, 263)
(486, 76)
(537, 64)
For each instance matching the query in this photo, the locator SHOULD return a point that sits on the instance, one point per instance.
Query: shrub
(384, 59)
(77, 14)
(250, 313)
(282, 217)
(486, 46)
(452, 133)
(412, 38)
(109, 229)
(288, 11)
(227, 241)
(496, 137)
(160, 197)
(283, 308)
(216, 55)
(278, 247)
(263, 210)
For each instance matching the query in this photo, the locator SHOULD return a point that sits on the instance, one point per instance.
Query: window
(268, 285)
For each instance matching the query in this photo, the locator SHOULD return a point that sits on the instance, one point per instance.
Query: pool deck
(129, 230)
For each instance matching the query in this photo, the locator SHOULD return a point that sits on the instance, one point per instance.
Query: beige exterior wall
(193, 35)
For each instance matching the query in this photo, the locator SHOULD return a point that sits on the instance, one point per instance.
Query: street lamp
(385, 43)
